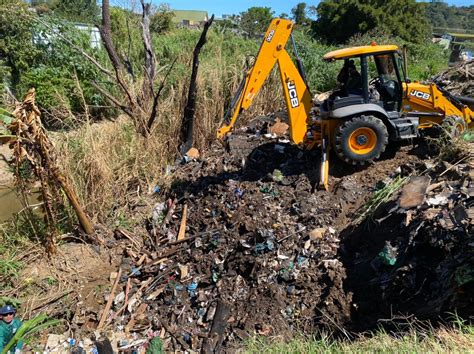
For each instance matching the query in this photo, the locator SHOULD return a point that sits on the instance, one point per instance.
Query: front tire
(360, 140)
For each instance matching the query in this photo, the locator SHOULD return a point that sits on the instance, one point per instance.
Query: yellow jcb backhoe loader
(358, 124)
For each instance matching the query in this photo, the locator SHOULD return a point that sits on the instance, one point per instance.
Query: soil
(75, 278)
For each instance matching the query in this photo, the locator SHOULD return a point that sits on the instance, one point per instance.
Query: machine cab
(386, 86)
(376, 78)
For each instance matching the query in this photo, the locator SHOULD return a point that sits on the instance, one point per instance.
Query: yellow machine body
(429, 99)
(419, 106)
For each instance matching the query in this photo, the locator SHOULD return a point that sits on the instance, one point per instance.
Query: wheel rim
(362, 141)
(458, 129)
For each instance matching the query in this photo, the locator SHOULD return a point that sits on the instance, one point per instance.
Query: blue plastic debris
(192, 289)
(186, 337)
(290, 289)
(238, 192)
(389, 254)
(262, 247)
(302, 261)
(135, 271)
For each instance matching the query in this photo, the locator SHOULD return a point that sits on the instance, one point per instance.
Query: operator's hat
(4, 310)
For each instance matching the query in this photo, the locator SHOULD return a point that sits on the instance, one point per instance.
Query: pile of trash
(418, 256)
(243, 246)
(239, 251)
(246, 244)
(459, 79)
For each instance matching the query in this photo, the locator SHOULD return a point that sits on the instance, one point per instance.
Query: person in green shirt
(9, 325)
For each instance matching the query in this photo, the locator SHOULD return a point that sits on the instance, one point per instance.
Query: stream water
(9, 203)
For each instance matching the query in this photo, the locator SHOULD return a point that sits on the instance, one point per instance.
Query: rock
(318, 233)
(413, 193)
(193, 154)
(279, 128)
(56, 343)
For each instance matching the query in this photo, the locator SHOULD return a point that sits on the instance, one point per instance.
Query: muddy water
(10, 203)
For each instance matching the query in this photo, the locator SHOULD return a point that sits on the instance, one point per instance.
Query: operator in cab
(350, 81)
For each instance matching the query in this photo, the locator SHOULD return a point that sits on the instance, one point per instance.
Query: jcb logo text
(270, 36)
(419, 94)
(292, 93)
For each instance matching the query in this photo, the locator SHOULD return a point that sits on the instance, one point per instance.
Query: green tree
(299, 13)
(162, 19)
(78, 10)
(338, 20)
(17, 51)
(255, 20)
(441, 15)
(44, 6)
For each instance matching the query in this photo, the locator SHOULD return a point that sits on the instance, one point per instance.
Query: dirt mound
(73, 279)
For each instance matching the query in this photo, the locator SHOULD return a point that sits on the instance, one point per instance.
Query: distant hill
(441, 15)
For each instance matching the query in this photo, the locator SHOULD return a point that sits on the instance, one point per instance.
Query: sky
(228, 7)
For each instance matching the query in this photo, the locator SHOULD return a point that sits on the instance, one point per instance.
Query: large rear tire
(360, 140)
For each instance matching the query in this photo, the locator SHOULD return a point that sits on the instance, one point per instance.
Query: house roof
(190, 15)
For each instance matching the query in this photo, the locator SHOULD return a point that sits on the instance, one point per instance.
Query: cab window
(386, 67)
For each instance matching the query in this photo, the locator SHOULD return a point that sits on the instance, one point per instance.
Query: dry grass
(108, 161)
(452, 147)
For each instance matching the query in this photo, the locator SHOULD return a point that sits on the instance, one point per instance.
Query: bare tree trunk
(187, 128)
(105, 33)
(149, 55)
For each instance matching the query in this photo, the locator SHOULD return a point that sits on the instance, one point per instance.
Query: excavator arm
(296, 91)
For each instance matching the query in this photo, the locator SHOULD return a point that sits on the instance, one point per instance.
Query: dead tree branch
(154, 109)
(114, 101)
(105, 33)
(187, 129)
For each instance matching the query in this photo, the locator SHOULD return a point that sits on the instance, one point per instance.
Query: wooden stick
(128, 236)
(109, 302)
(138, 293)
(51, 301)
(182, 228)
(170, 212)
(174, 335)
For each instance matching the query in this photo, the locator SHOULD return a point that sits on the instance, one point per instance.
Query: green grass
(9, 266)
(459, 338)
(381, 195)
